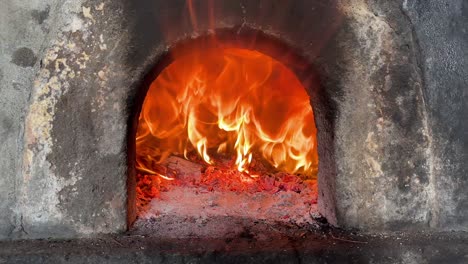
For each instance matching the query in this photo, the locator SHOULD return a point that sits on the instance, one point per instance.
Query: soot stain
(41, 15)
(24, 57)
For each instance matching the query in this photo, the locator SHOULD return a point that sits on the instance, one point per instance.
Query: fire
(228, 101)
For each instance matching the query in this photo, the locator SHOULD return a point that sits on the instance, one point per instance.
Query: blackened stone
(24, 57)
(40, 15)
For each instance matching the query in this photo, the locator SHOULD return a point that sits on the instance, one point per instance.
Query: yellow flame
(230, 100)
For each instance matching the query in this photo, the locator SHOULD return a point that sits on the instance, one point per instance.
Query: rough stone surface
(75, 129)
(380, 129)
(390, 112)
(21, 42)
(400, 84)
(440, 29)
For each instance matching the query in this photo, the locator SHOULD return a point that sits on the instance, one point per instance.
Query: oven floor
(326, 246)
(187, 212)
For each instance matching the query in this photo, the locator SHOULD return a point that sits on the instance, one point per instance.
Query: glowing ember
(223, 102)
(221, 179)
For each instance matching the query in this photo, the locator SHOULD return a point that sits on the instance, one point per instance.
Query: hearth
(232, 119)
(226, 132)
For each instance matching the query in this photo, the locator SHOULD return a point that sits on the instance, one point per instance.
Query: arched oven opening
(223, 135)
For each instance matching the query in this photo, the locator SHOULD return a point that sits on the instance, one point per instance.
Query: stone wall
(392, 141)
(440, 32)
(25, 27)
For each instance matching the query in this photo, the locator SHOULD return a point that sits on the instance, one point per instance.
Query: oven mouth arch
(243, 38)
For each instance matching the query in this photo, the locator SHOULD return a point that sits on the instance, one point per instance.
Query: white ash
(189, 201)
(188, 210)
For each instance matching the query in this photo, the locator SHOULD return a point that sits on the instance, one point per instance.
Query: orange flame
(233, 101)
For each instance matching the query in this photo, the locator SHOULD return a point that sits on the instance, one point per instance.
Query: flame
(228, 100)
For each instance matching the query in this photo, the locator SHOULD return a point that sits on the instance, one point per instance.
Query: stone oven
(383, 85)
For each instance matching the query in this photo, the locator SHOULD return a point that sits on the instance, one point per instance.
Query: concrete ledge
(329, 247)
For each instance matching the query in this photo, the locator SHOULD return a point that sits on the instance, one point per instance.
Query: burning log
(183, 168)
